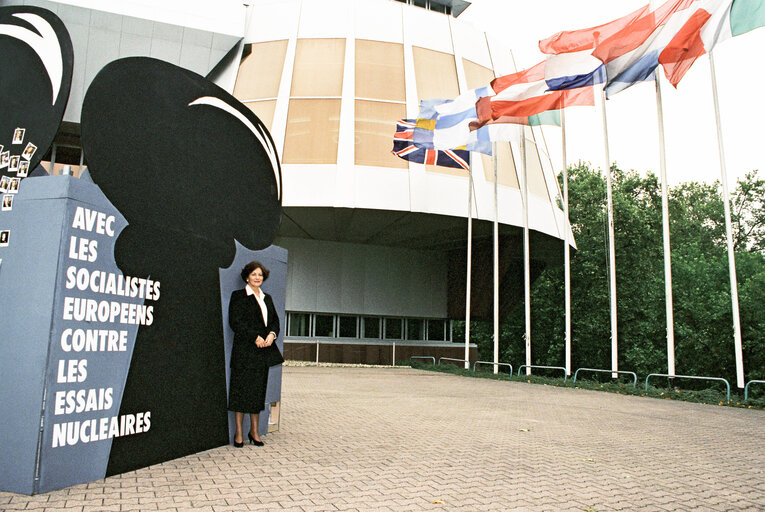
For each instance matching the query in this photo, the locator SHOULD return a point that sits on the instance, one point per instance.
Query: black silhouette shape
(35, 80)
(191, 169)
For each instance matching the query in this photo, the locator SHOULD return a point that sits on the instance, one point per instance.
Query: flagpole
(526, 263)
(665, 233)
(611, 245)
(728, 235)
(469, 263)
(496, 261)
(566, 248)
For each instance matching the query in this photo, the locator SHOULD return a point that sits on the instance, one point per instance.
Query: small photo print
(18, 136)
(13, 186)
(5, 182)
(5, 159)
(23, 169)
(14, 164)
(5, 237)
(7, 202)
(29, 151)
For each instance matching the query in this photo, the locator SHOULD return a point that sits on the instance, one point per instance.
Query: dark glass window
(436, 330)
(324, 326)
(348, 327)
(371, 327)
(415, 329)
(299, 324)
(393, 328)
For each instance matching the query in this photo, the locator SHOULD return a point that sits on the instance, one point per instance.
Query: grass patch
(621, 386)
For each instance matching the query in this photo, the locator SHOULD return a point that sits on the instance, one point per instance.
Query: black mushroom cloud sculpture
(36, 53)
(191, 169)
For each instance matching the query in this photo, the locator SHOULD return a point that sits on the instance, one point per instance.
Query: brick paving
(397, 439)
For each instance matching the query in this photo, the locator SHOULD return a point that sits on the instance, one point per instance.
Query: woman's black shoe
(253, 441)
(238, 445)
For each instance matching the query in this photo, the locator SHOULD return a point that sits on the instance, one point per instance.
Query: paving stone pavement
(397, 439)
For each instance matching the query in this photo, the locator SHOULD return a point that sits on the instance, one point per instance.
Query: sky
(689, 120)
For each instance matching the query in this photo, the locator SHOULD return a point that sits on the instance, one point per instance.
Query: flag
(526, 93)
(709, 25)
(404, 147)
(445, 124)
(584, 39)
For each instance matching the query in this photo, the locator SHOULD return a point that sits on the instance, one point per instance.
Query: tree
(701, 289)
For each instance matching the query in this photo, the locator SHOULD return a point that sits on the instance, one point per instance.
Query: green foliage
(700, 279)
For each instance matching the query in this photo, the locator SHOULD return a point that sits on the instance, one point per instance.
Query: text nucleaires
(83, 334)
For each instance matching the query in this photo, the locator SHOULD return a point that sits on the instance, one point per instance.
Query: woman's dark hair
(250, 268)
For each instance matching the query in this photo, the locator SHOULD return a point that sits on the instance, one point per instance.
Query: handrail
(746, 388)
(425, 357)
(452, 359)
(634, 375)
(521, 367)
(490, 362)
(727, 385)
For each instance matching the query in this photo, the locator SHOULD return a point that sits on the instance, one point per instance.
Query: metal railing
(694, 377)
(452, 359)
(521, 367)
(493, 363)
(634, 375)
(746, 388)
(425, 357)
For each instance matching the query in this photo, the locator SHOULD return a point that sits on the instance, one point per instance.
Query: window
(436, 74)
(374, 123)
(380, 101)
(415, 329)
(299, 324)
(313, 118)
(260, 72)
(394, 328)
(348, 327)
(371, 327)
(313, 127)
(436, 330)
(324, 326)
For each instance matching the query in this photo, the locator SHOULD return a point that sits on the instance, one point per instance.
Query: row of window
(428, 4)
(313, 116)
(320, 325)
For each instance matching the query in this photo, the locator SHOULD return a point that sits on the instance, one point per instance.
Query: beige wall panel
(264, 110)
(505, 166)
(318, 67)
(380, 70)
(476, 75)
(261, 71)
(312, 132)
(435, 73)
(375, 125)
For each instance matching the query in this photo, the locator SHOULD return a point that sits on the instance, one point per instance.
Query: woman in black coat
(252, 316)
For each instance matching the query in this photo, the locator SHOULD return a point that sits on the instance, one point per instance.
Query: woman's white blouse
(260, 297)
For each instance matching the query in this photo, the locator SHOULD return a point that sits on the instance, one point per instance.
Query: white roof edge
(220, 17)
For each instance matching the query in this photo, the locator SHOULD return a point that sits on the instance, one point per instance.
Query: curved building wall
(331, 77)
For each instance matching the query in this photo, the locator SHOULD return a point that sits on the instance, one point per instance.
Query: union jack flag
(404, 147)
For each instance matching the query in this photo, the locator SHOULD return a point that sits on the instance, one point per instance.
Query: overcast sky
(691, 135)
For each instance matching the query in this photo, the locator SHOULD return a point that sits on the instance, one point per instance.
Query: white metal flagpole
(496, 262)
(665, 233)
(728, 236)
(611, 245)
(526, 263)
(469, 263)
(566, 248)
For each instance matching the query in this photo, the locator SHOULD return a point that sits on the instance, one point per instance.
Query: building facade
(377, 260)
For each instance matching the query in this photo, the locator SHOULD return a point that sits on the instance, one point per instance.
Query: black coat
(246, 319)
